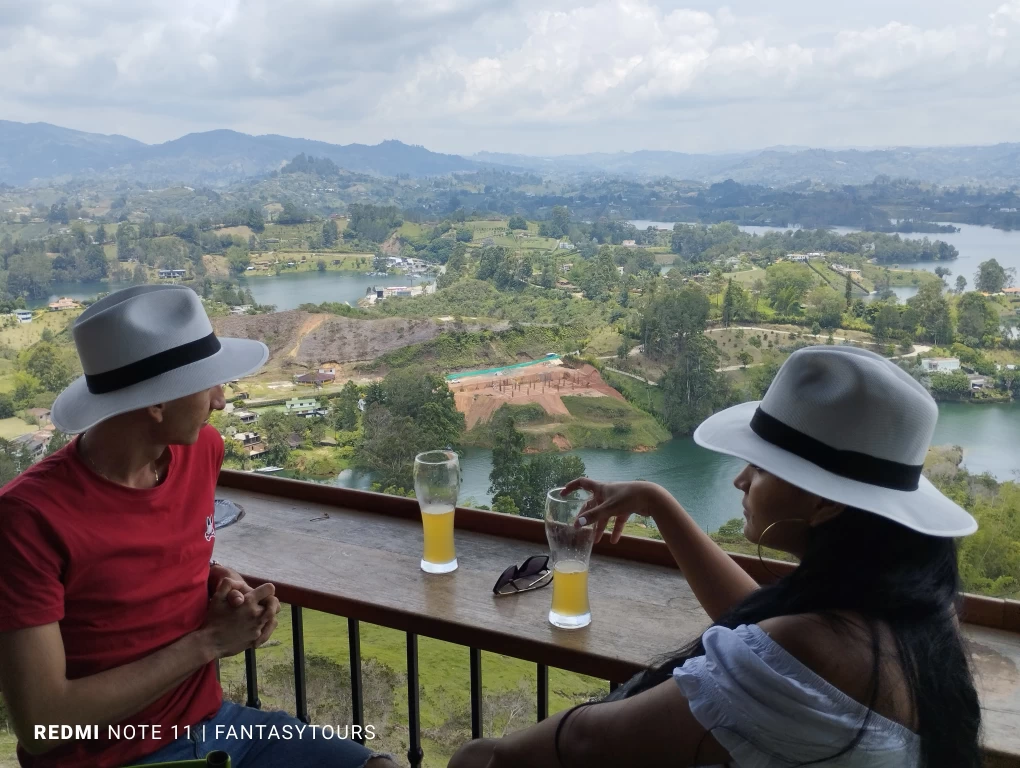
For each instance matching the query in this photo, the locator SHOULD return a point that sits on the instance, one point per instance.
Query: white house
(940, 364)
(23, 315)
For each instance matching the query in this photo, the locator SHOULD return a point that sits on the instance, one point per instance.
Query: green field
(25, 335)
(604, 422)
(15, 427)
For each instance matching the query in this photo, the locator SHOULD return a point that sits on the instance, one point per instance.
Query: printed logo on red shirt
(210, 529)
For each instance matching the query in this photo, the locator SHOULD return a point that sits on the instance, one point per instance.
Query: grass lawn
(605, 341)
(27, 334)
(745, 277)
(411, 229)
(8, 746)
(605, 422)
(644, 396)
(308, 261)
(898, 277)
(241, 231)
(15, 427)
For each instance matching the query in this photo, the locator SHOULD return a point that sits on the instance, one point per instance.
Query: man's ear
(156, 412)
(825, 511)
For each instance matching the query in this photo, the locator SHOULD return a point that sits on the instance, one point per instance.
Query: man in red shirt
(110, 612)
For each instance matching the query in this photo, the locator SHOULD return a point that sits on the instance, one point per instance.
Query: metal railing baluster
(357, 697)
(251, 677)
(300, 691)
(543, 692)
(476, 693)
(415, 755)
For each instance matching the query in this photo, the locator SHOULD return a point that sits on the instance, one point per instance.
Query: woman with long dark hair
(855, 657)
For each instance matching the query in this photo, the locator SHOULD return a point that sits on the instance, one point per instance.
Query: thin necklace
(97, 470)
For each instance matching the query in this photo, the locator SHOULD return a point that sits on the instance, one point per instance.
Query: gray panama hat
(147, 345)
(849, 426)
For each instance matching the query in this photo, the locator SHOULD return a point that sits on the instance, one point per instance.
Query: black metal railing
(415, 754)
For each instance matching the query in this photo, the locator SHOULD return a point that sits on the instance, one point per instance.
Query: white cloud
(527, 75)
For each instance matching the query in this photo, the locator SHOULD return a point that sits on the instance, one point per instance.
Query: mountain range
(997, 165)
(39, 152)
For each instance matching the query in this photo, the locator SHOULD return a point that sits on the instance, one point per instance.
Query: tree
(525, 482)
(344, 409)
(693, 389)
(848, 291)
(745, 358)
(505, 505)
(6, 406)
(140, 276)
(277, 428)
(517, 222)
(29, 275)
(464, 235)
(330, 233)
(715, 282)
(43, 361)
(977, 321)
(757, 290)
(992, 278)
(256, 220)
(238, 259)
(320, 265)
(942, 273)
(100, 236)
(95, 266)
(949, 386)
(961, 283)
(57, 441)
(729, 304)
(600, 277)
(887, 322)
(933, 313)
(826, 307)
(785, 285)
(560, 220)
(671, 320)
(508, 475)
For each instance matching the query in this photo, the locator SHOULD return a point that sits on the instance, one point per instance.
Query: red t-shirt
(123, 570)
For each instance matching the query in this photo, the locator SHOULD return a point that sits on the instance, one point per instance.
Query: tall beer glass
(437, 484)
(570, 547)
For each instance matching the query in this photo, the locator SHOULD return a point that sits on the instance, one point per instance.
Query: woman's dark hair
(862, 563)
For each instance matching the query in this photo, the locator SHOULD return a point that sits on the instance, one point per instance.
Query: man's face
(184, 417)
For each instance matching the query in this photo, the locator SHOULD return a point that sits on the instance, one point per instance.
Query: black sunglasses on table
(533, 573)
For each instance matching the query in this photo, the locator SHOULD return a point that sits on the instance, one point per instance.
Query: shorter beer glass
(437, 484)
(570, 548)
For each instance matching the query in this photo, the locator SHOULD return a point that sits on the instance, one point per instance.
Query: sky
(539, 77)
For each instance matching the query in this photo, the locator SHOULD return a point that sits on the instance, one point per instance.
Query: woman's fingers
(600, 528)
(621, 521)
(582, 482)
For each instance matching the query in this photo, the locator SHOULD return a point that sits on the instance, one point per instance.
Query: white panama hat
(146, 345)
(849, 426)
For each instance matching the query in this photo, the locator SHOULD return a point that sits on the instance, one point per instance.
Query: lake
(292, 289)
(286, 291)
(703, 481)
(975, 244)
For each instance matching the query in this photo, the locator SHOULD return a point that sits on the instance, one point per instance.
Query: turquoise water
(486, 371)
(703, 481)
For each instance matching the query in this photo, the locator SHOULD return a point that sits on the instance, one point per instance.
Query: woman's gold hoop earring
(768, 528)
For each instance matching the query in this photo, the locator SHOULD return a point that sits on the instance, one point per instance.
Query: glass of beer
(570, 547)
(436, 484)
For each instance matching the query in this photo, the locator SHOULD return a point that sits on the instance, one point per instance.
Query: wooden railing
(977, 611)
